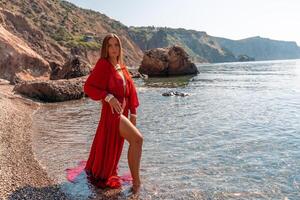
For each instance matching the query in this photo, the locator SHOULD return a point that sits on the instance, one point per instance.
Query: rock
(245, 58)
(181, 94)
(18, 61)
(155, 62)
(53, 90)
(179, 63)
(166, 62)
(135, 74)
(171, 93)
(78, 51)
(74, 67)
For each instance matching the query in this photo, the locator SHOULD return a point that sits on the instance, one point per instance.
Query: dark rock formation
(74, 67)
(136, 74)
(166, 62)
(52, 91)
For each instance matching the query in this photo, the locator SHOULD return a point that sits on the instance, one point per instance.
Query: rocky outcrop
(134, 74)
(198, 44)
(22, 27)
(52, 91)
(52, 28)
(74, 67)
(167, 62)
(262, 48)
(18, 61)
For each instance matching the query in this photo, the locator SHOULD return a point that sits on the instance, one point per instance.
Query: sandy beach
(21, 176)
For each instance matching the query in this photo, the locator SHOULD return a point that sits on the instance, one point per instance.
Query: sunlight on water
(237, 136)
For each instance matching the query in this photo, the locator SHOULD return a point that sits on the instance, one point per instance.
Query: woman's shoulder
(102, 61)
(102, 64)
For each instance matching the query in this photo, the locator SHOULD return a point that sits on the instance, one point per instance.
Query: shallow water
(237, 136)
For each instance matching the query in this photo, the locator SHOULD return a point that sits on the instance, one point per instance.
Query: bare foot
(136, 187)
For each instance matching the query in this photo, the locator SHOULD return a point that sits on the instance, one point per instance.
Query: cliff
(199, 45)
(262, 48)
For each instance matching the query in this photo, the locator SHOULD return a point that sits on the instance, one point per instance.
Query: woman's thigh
(129, 131)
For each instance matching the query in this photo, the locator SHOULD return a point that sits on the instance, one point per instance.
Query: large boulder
(167, 62)
(53, 90)
(18, 61)
(74, 67)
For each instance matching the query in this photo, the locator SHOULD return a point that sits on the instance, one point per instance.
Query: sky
(232, 19)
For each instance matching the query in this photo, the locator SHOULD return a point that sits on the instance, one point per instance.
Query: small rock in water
(138, 75)
(182, 94)
(176, 93)
(171, 93)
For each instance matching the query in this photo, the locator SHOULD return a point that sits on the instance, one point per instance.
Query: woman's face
(113, 48)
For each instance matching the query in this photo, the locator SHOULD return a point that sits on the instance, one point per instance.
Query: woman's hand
(115, 105)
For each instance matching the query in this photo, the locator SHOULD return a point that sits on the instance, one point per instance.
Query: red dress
(102, 164)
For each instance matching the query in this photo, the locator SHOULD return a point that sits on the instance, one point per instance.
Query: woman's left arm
(133, 102)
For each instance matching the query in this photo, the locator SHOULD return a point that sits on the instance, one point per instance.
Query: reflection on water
(237, 136)
(169, 82)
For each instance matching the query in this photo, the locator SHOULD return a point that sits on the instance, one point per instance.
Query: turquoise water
(237, 136)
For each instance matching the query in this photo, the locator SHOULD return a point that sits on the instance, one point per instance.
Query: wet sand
(21, 176)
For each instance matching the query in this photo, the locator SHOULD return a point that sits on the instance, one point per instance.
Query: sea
(236, 135)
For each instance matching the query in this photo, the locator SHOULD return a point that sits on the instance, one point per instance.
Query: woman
(111, 83)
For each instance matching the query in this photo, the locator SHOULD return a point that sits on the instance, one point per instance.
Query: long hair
(104, 48)
(104, 53)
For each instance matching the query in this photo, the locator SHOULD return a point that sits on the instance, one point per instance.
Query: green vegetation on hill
(262, 48)
(54, 26)
(62, 25)
(200, 46)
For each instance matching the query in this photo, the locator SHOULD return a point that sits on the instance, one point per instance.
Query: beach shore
(21, 176)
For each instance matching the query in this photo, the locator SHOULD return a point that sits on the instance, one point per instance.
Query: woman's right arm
(95, 85)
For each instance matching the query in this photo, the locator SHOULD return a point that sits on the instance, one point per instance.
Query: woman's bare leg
(135, 139)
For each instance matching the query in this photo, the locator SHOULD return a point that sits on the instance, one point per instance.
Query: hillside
(262, 48)
(46, 33)
(199, 45)
(52, 28)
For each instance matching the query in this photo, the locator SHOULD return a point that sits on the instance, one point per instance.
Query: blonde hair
(104, 48)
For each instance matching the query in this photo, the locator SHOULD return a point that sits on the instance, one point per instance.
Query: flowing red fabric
(102, 164)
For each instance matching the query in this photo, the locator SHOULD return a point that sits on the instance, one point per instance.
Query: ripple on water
(235, 137)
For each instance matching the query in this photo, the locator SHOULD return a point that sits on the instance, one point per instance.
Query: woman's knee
(139, 139)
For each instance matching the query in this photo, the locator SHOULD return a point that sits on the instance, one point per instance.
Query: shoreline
(21, 175)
